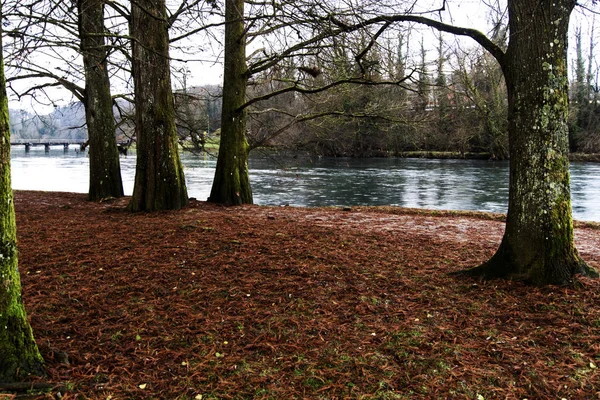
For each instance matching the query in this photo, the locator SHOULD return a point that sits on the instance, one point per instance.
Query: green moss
(19, 355)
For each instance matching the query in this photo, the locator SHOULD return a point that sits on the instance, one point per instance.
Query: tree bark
(19, 355)
(538, 246)
(159, 179)
(231, 185)
(105, 170)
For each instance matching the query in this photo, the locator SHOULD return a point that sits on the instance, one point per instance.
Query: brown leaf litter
(259, 302)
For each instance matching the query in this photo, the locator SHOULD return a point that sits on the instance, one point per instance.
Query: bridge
(28, 143)
(83, 143)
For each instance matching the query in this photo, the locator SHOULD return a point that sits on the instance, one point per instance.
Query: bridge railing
(47, 141)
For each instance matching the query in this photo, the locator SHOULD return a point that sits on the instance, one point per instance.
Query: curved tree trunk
(19, 355)
(159, 178)
(105, 171)
(231, 185)
(538, 242)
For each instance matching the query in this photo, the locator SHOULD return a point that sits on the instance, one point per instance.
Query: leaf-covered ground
(294, 303)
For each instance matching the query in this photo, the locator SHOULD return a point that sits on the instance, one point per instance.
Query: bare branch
(297, 89)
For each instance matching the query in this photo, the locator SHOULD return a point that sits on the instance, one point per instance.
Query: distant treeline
(430, 109)
(464, 113)
(64, 122)
(198, 109)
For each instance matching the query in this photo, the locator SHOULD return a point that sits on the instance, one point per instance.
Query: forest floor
(259, 302)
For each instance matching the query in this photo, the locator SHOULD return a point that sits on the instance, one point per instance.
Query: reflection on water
(444, 184)
(306, 181)
(585, 191)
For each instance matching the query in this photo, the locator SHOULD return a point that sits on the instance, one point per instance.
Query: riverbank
(429, 154)
(280, 302)
(449, 155)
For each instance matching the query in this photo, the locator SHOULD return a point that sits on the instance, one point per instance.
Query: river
(314, 181)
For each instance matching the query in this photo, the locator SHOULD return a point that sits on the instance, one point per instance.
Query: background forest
(437, 98)
(463, 110)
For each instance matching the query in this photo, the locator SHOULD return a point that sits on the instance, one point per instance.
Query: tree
(369, 119)
(191, 117)
(52, 37)
(159, 178)
(105, 171)
(444, 118)
(538, 241)
(231, 185)
(288, 30)
(424, 84)
(19, 355)
(480, 92)
(537, 245)
(585, 110)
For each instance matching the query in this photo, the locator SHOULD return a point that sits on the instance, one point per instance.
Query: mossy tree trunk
(19, 355)
(105, 171)
(538, 242)
(231, 185)
(159, 179)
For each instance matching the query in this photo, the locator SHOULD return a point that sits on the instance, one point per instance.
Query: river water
(313, 181)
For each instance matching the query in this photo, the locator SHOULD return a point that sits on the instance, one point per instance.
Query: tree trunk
(19, 355)
(105, 171)
(231, 185)
(159, 178)
(538, 246)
